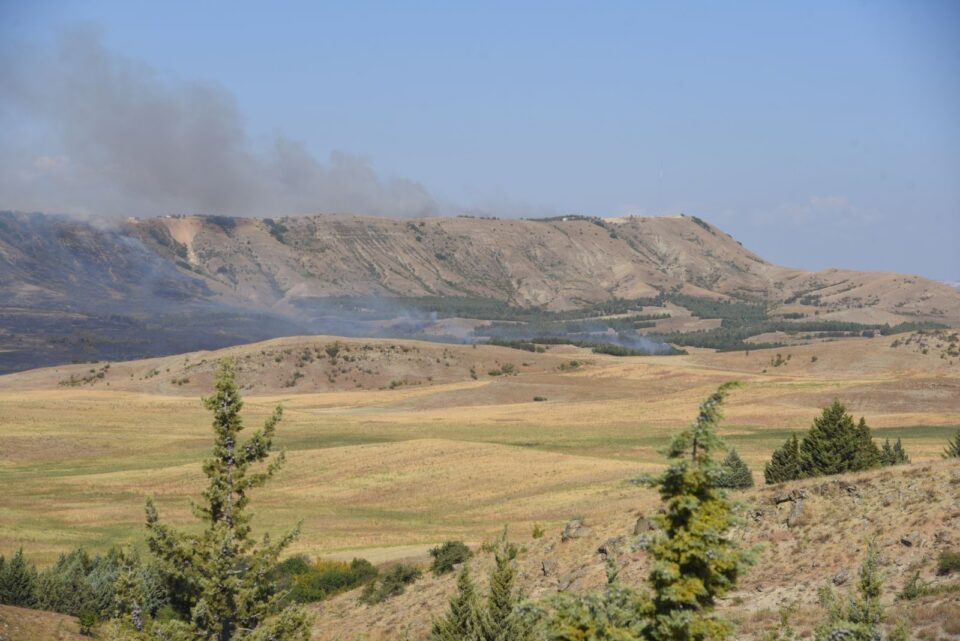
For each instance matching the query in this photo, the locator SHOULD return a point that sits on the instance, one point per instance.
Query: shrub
(953, 447)
(308, 582)
(538, 531)
(448, 555)
(87, 620)
(393, 583)
(948, 562)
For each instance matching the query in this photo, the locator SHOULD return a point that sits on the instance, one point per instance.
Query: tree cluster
(834, 444)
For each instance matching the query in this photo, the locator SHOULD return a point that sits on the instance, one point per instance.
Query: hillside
(74, 291)
(910, 512)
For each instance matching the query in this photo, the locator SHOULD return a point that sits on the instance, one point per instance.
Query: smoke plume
(90, 131)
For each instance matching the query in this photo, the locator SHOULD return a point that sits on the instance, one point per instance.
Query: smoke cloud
(120, 139)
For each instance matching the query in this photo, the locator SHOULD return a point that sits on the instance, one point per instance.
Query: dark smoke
(120, 139)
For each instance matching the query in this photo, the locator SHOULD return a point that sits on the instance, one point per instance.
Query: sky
(819, 134)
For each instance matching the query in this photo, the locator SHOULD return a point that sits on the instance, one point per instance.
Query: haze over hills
(78, 291)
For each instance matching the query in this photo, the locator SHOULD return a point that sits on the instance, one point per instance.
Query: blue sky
(818, 134)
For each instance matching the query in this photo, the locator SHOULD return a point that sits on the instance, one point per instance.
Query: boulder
(548, 566)
(841, 577)
(574, 529)
(796, 514)
(644, 524)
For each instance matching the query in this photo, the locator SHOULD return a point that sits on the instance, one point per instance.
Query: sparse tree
(953, 447)
(221, 574)
(784, 465)
(734, 473)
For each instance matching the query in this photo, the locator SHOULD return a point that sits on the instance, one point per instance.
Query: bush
(310, 582)
(948, 562)
(87, 620)
(392, 584)
(448, 555)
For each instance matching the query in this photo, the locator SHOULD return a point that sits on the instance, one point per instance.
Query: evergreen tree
(835, 445)
(784, 465)
(953, 447)
(462, 622)
(860, 619)
(221, 575)
(734, 473)
(893, 454)
(502, 620)
(867, 453)
(694, 560)
(18, 582)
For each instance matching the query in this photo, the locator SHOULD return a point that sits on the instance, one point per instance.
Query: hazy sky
(818, 134)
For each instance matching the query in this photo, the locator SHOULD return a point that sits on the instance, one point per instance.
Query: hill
(75, 291)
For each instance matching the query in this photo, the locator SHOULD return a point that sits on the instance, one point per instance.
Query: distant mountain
(72, 290)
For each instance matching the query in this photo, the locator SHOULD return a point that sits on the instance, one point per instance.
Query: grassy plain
(386, 473)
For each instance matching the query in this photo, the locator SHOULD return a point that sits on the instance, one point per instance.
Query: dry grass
(387, 472)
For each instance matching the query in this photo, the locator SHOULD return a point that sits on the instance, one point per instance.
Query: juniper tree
(784, 465)
(734, 473)
(694, 560)
(953, 447)
(462, 622)
(221, 575)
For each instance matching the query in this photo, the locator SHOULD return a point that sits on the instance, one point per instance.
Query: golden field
(388, 472)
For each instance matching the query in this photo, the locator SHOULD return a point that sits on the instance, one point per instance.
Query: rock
(793, 495)
(610, 547)
(549, 566)
(796, 514)
(571, 581)
(910, 540)
(841, 577)
(941, 537)
(574, 529)
(644, 524)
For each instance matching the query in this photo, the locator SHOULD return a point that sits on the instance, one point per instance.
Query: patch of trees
(81, 585)
(834, 444)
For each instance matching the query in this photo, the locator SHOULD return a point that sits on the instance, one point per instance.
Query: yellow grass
(385, 473)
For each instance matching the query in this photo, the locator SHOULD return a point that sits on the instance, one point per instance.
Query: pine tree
(18, 582)
(734, 473)
(835, 445)
(221, 575)
(784, 465)
(953, 447)
(694, 561)
(462, 622)
(867, 453)
(502, 620)
(893, 454)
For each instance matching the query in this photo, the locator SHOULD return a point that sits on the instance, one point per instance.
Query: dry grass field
(453, 452)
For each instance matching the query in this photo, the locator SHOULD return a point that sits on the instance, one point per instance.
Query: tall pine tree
(694, 560)
(221, 574)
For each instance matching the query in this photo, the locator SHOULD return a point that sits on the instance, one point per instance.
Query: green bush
(448, 555)
(310, 582)
(392, 584)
